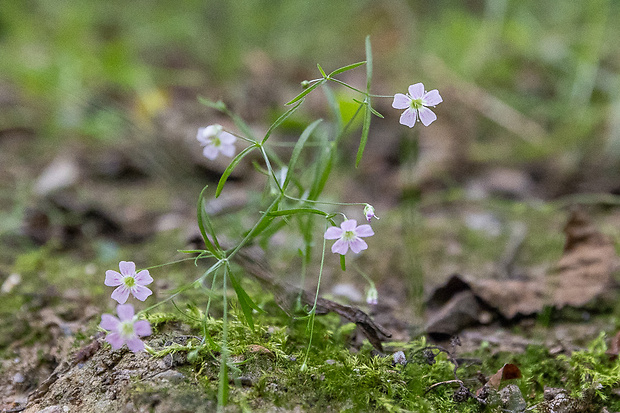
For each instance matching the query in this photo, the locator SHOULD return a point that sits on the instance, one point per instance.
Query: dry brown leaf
(584, 273)
(507, 372)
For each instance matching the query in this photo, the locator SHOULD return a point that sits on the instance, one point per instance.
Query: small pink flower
(125, 329)
(216, 140)
(349, 236)
(415, 102)
(369, 212)
(128, 282)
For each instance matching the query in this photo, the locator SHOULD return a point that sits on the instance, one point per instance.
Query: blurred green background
(555, 62)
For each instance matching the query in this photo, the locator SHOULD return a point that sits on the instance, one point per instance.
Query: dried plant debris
(582, 278)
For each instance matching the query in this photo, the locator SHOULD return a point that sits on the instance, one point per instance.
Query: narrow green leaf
(306, 91)
(230, 168)
(322, 71)
(192, 251)
(246, 303)
(374, 112)
(345, 68)
(219, 105)
(295, 211)
(343, 264)
(303, 138)
(368, 64)
(365, 130)
(203, 219)
(279, 121)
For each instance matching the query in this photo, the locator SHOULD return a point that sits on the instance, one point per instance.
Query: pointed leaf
(368, 64)
(297, 150)
(204, 223)
(230, 168)
(305, 92)
(246, 303)
(279, 121)
(365, 130)
(322, 71)
(345, 68)
(295, 211)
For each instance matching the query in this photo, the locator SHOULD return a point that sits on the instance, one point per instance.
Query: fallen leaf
(582, 276)
(508, 372)
(584, 273)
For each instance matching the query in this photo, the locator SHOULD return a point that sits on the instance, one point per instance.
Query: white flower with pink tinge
(124, 329)
(415, 102)
(349, 236)
(128, 282)
(216, 140)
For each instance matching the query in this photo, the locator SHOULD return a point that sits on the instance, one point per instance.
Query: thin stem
(292, 198)
(250, 233)
(313, 310)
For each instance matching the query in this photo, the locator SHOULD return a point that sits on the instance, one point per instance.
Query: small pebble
(399, 358)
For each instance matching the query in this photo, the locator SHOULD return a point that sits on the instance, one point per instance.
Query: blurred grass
(80, 66)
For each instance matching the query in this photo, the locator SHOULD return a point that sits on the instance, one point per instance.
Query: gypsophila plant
(295, 186)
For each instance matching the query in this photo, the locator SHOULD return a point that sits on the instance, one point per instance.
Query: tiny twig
(431, 387)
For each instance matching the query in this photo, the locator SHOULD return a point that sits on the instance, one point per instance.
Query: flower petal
(349, 225)
(364, 231)
(143, 277)
(113, 278)
(142, 328)
(212, 130)
(201, 137)
(401, 101)
(358, 245)
(227, 138)
(141, 292)
(340, 247)
(333, 233)
(227, 150)
(408, 118)
(109, 322)
(432, 98)
(416, 91)
(427, 116)
(127, 267)
(115, 340)
(210, 152)
(121, 294)
(125, 312)
(135, 345)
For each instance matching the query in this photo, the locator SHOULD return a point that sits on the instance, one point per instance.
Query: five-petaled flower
(128, 282)
(415, 102)
(125, 329)
(216, 140)
(349, 236)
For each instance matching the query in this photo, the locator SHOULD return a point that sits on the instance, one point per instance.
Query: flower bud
(369, 212)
